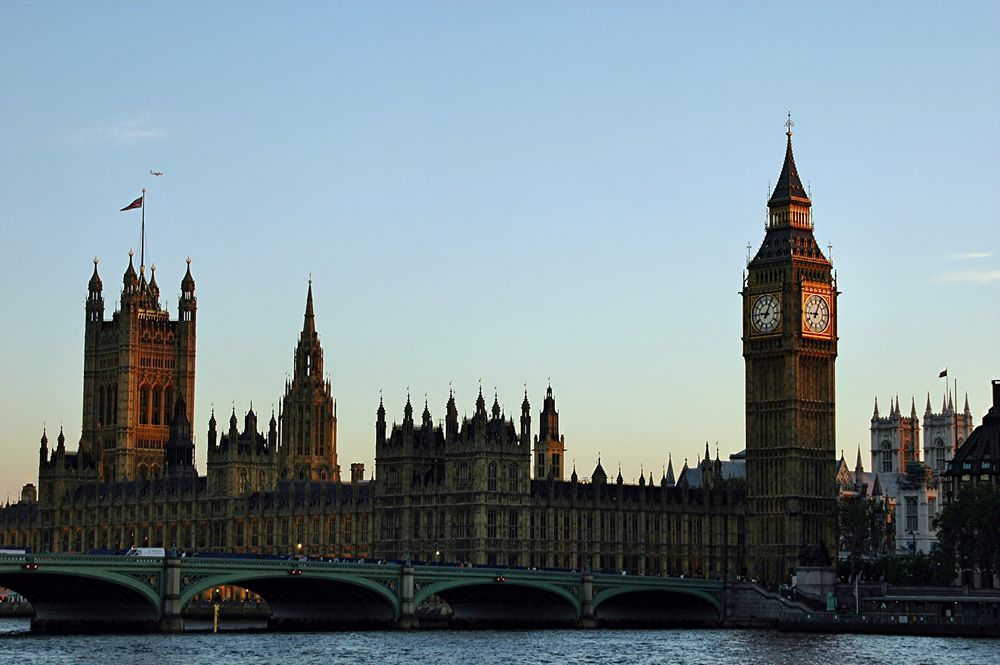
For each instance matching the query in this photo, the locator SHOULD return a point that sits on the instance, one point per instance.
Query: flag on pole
(132, 206)
(943, 373)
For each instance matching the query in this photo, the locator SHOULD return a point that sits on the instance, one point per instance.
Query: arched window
(143, 472)
(940, 454)
(491, 477)
(512, 478)
(143, 405)
(101, 396)
(886, 456)
(168, 404)
(157, 405)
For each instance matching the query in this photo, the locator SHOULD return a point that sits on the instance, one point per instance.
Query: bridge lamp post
(437, 556)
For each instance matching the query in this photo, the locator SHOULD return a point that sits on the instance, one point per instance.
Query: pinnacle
(309, 323)
(789, 187)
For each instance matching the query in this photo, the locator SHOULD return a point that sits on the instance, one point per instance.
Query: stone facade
(464, 493)
(461, 492)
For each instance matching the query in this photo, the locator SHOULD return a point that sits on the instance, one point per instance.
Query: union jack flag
(132, 206)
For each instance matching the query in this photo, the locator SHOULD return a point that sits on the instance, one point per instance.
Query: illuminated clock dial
(766, 313)
(816, 313)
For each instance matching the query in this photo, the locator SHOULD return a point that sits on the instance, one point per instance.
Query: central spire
(789, 187)
(309, 324)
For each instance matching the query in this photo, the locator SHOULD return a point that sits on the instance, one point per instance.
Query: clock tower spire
(790, 349)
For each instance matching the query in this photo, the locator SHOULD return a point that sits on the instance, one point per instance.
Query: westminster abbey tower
(790, 347)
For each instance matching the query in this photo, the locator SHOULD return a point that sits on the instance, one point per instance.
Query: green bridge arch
(73, 587)
(711, 599)
(246, 578)
(443, 586)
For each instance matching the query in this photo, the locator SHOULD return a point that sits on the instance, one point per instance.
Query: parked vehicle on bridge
(15, 550)
(158, 552)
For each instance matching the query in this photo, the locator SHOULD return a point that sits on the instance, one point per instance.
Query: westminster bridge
(111, 593)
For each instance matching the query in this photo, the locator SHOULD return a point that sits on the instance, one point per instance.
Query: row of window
(155, 404)
(281, 532)
(430, 525)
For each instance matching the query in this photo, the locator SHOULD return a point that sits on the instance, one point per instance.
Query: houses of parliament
(486, 489)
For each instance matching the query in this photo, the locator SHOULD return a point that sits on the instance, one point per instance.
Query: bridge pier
(170, 618)
(587, 618)
(407, 608)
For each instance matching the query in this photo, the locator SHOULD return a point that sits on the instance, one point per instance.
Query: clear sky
(504, 191)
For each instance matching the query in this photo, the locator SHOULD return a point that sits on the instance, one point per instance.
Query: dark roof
(982, 446)
(789, 187)
(785, 242)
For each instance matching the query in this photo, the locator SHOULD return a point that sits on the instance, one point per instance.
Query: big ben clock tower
(790, 348)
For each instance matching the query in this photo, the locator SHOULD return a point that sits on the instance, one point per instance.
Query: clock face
(816, 313)
(766, 313)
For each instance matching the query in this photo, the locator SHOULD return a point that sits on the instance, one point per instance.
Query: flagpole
(142, 236)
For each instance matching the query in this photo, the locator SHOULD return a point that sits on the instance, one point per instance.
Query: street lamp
(437, 556)
(913, 540)
(298, 550)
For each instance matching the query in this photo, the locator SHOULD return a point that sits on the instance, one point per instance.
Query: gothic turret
(250, 420)
(408, 414)
(130, 281)
(153, 289)
(213, 436)
(380, 424)
(425, 417)
(451, 419)
(187, 282)
(525, 420)
(43, 449)
(480, 406)
(309, 428)
(95, 297)
(550, 446)
(599, 477)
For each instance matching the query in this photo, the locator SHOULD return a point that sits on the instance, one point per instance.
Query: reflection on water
(492, 647)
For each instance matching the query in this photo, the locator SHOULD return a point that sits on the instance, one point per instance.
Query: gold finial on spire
(310, 279)
(188, 260)
(789, 124)
(96, 261)
(131, 253)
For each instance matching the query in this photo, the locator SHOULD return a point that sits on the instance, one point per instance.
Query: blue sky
(504, 191)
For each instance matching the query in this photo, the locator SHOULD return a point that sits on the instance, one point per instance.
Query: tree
(919, 569)
(969, 529)
(861, 524)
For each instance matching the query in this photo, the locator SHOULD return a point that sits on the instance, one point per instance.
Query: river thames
(489, 647)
